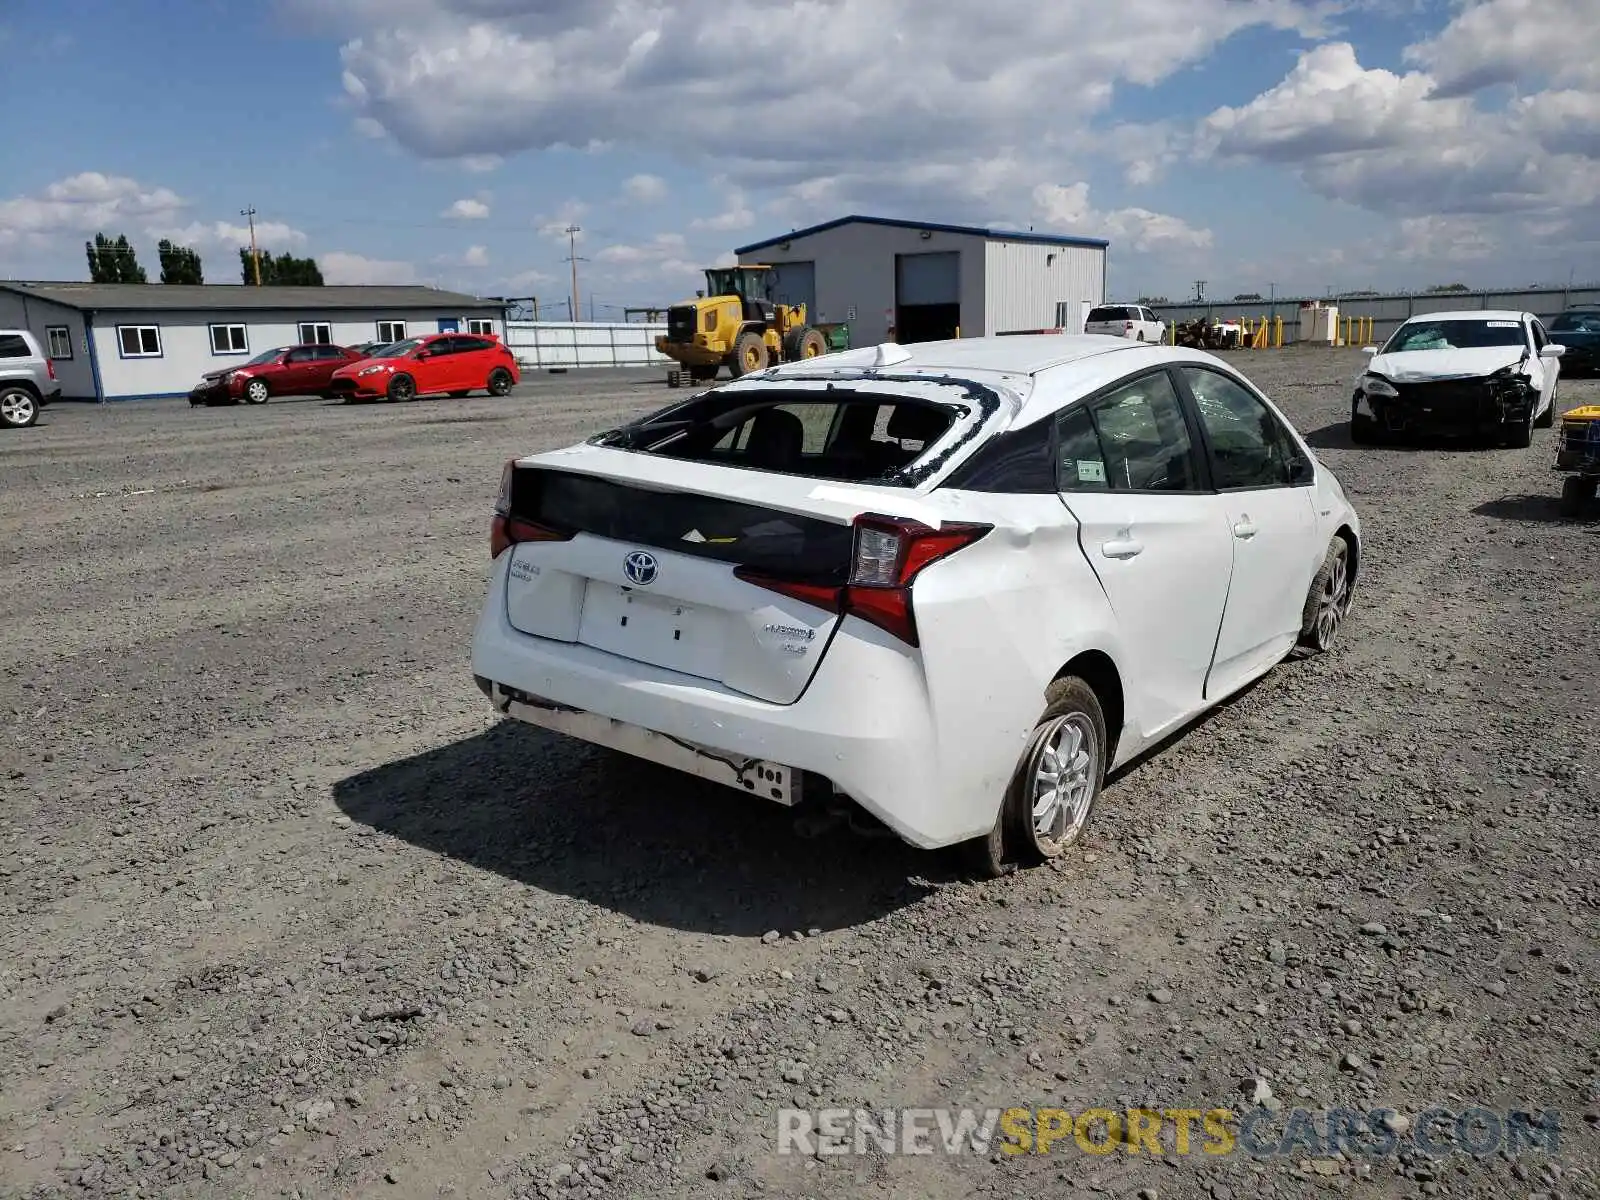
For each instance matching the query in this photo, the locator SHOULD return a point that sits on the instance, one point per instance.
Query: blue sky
(1307, 144)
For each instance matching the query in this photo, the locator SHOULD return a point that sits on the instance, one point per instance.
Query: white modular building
(910, 281)
(126, 341)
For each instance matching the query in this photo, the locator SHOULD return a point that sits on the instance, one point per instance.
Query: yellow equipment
(737, 324)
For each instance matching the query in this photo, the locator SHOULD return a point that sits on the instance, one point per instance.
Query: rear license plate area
(653, 629)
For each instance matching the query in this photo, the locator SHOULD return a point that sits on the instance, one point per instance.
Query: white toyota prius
(954, 582)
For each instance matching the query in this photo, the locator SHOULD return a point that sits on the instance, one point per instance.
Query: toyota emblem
(640, 568)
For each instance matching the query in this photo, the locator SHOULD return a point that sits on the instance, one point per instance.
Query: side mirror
(1369, 349)
(1552, 350)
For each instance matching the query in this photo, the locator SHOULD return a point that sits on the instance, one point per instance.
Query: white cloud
(476, 256)
(645, 189)
(665, 256)
(554, 225)
(340, 266)
(1066, 209)
(481, 164)
(84, 204)
(224, 235)
(735, 215)
(470, 208)
(1512, 41)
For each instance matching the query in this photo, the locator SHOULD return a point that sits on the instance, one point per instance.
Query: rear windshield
(1110, 313)
(1455, 335)
(839, 434)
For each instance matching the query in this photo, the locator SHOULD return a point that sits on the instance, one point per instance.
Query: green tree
(1449, 287)
(281, 270)
(1153, 300)
(113, 261)
(1247, 296)
(179, 264)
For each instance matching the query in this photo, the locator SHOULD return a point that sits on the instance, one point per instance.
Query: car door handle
(1244, 530)
(1123, 546)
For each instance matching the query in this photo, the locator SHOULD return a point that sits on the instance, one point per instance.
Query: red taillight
(506, 530)
(50, 366)
(1126, 326)
(889, 554)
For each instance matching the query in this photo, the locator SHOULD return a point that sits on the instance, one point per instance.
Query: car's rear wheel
(19, 408)
(1327, 600)
(256, 391)
(402, 388)
(1048, 804)
(499, 381)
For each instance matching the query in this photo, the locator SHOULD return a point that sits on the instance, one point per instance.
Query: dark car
(1578, 329)
(283, 371)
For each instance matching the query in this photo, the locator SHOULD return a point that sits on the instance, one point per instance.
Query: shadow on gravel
(1535, 508)
(659, 846)
(1337, 437)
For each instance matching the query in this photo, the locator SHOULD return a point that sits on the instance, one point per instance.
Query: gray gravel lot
(285, 911)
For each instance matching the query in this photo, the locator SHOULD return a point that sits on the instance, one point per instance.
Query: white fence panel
(570, 344)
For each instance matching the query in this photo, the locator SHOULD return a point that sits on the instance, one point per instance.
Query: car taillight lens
(890, 552)
(50, 367)
(506, 530)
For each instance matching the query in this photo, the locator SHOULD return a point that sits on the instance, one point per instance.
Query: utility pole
(1272, 294)
(572, 256)
(255, 255)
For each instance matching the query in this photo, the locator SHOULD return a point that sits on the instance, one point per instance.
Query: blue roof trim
(1004, 235)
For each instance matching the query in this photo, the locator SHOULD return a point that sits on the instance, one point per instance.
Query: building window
(229, 339)
(1062, 321)
(139, 341)
(316, 333)
(391, 331)
(480, 325)
(59, 338)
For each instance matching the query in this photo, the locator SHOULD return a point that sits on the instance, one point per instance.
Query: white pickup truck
(1131, 321)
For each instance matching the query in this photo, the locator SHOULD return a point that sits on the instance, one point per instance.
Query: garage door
(796, 283)
(928, 278)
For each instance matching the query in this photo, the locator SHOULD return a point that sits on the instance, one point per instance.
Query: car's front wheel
(256, 391)
(1327, 600)
(19, 408)
(402, 388)
(1058, 779)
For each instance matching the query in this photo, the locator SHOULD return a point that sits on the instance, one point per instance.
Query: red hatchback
(284, 371)
(451, 363)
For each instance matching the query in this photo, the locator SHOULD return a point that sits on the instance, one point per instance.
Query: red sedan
(449, 363)
(284, 371)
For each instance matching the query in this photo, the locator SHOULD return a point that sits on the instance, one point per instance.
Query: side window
(1132, 439)
(303, 354)
(1249, 447)
(1015, 463)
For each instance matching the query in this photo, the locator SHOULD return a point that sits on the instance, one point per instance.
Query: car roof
(1470, 314)
(1023, 354)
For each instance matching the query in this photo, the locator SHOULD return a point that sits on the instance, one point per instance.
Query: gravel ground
(287, 913)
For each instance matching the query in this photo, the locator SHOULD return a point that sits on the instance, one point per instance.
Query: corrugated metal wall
(1026, 281)
(1388, 313)
(539, 344)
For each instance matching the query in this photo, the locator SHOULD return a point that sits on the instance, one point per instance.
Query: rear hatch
(648, 554)
(1108, 319)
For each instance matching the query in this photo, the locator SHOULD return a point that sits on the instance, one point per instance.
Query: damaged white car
(1482, 374)
(953, 582)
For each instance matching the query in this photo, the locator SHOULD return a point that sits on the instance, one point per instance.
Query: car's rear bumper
(864, 724)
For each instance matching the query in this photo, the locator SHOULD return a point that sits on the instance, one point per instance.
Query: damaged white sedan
(1482, 374)
(954, 583)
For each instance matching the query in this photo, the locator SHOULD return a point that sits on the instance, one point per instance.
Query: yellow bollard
(1277, 334)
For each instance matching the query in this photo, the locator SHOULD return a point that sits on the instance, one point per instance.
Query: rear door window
(1107, 313)
(1132, 439)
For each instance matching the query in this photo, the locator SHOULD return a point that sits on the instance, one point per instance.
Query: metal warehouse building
(907, 281)
(125, 341)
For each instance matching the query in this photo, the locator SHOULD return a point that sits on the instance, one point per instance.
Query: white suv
(955, 582)
(1132, 321)
(27, 379)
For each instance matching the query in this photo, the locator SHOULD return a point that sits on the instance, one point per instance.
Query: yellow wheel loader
(737, 325)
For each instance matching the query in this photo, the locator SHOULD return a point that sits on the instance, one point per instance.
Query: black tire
(19, 408)
(499, 382)
(1576, 492)
(749, 354)
(1031, 828)
(1327, 600)
(256, 391)
(401, 389)
(804, 342)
